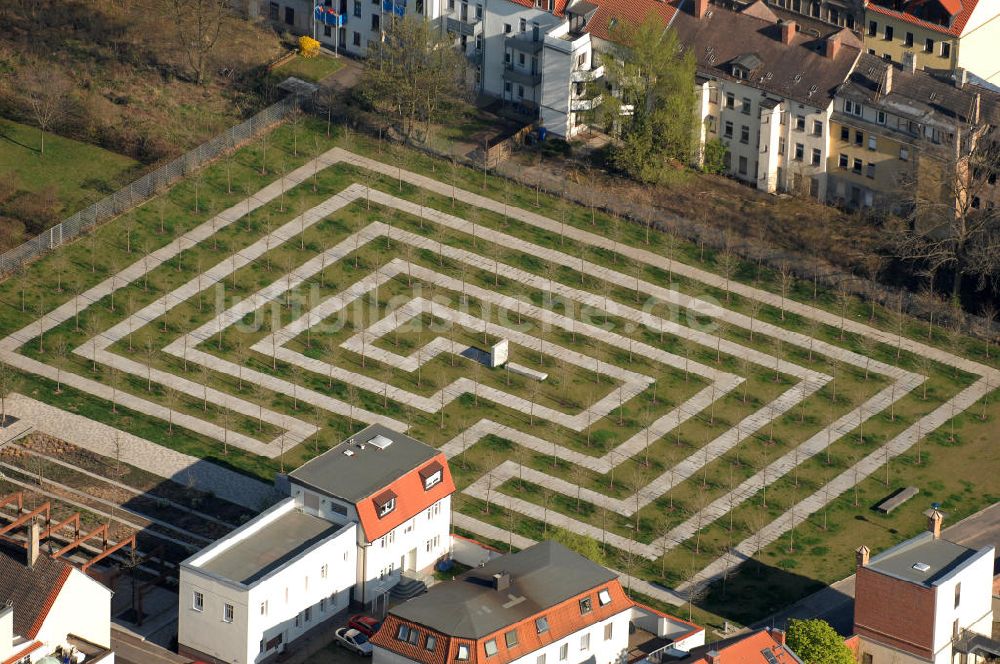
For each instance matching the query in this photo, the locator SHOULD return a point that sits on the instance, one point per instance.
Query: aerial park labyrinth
(384, 309)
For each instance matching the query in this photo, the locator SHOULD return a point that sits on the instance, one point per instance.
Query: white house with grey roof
(358, 517)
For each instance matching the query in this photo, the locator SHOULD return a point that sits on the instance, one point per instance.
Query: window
(843, 161)
(954, 629)
(747, 105)
(585, 642)
(308, 613)
(403, 633)
(523, 25)
(744, 134)
(908, 40)
(435, 477)
(880, 117)
(800, 123)
(608, 631)
(198, 601)
(887, 57)
(817, 156)
(976, 202)
(872, 28)
(272, 11)
(853, 108)
(859, 138)
(958, 593)
(866, 658)
(491, 647)
(324, 571)
(872, 142)
(386, 507)
(845, 134)
(289, 16)
(604, 597)
(945, 50)
(743, 166)
(298, 619)
(781, 146)
(904, 154)
(728, 131)
(870, 171)
(563, 652)
(510, 638)
(263, 608)
(463, 653)
(322, 605)
(507, 28)
(540, 659)
(730, 100)
(888, 33)
(586, 605)
(479, 12)
(857, 166)
(817, 128)
(227, 613)
(929, 45)
(430, 643)
(375, 23)
(357, 37)
(800, 152)
(357, 9)
(541, 624)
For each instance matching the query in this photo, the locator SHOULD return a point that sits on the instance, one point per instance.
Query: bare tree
(46, 89)
(199, 24)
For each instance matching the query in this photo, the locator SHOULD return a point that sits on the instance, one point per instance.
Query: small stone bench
(528, 372)
(897, 499)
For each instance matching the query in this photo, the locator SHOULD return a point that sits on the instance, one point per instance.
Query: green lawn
(309, 69)
(80, 173)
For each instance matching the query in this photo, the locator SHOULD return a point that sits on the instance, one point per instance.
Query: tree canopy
(416, 75)
(815, 642)
(653, 81)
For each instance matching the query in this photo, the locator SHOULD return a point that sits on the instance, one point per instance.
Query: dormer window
(385, 503)
(431, 475)
(739, 72)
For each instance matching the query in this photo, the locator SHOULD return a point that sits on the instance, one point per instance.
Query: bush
(308, 47)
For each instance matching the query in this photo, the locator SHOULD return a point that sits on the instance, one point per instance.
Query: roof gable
(410, 496)
(31, 590)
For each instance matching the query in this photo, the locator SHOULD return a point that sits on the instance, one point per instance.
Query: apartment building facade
(945, 35)
(767, 96)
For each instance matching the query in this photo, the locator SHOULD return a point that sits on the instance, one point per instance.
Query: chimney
(501, 581)
(700, 8)
(887, 83)
(712, 657)
(961, 77)
(787, 31)
(910, 62)
(34, 532)
(831, 46)
(862, 555)
(778, 635)
(934, 519)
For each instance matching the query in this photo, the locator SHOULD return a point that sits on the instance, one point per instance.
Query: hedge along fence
(146, 187)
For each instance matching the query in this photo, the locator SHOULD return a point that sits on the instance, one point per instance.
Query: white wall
(977, 50)
(287, 591)
(426, 536)
(560, 58)
(6, 632)
(497, 14)
(975, 609)
(83, 609)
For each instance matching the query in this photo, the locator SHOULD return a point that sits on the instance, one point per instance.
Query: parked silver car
(353, 640)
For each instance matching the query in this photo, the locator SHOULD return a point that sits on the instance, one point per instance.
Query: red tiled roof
(630, 11)
(963, 10)
(411, 499)
(558, 10)
(23, 653)
(31, 590)
(750, 650)
(563, 619)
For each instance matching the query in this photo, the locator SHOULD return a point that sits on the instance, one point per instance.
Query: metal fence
(146, 187)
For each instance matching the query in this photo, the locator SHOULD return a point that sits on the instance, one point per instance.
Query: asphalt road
(835, 603)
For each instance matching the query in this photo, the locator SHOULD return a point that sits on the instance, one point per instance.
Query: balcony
(328, 16)
(524, 42)
(521, 76)
(397, 7)
(464, 27)
(586, 75)
(585, 104)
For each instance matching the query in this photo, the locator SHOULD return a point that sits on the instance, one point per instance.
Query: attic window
(921, 567)
(604, 597)
(463, 653)
(385, 503)
(739, 72)
(431, 474)
(586, 605)
(491, 647)
(541, 624)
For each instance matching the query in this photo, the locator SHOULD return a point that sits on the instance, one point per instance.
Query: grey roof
(29, 589)
(796, 71)
(542, 576)
(367, 469)
(940, 556)
(254, 557)
(918, 95)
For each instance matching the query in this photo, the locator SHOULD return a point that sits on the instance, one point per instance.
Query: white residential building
(925, 600)
(543, 604)
(358, 517)
(47, 606)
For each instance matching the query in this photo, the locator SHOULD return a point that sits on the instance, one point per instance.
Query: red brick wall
(894, 612)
